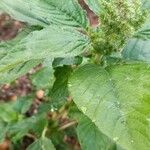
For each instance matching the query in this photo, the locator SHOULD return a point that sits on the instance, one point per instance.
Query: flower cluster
(119, 19)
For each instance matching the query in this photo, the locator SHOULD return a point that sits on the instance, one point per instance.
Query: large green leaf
(42, 144)
(50, 42)
(46, 12)
(117, 100)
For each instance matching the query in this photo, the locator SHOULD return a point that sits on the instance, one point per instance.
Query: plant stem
(31, 136)
(97, 58)
(44, 132)
(67, 125)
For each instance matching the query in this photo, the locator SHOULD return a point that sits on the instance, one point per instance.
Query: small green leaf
(59, 62)
(59, 92)
(137, 49)
(46, 12)
(7, 114)
(144, 31)
(94, 5)
(42, 144)
(3, 130)
(146, 4)
(43, 78)
(34, 124)
(116, 99)
(23, 104)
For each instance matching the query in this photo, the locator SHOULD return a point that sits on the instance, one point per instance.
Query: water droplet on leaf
(83, 109)
(148, 119)
(94, 120)
(53, 108)
(115, 139)
(132, 141)
(69, 85)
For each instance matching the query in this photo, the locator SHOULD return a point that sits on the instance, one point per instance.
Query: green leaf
(91, 138)
(23, 104)
(46, 12)
(6, 46)
(146, 4)
(7, 114)
(59, 92)
(57, 139)
(144, 31)
(94, 5)
(59, 62)
(137, 49)
(50, 42)
(14, 72)
(116, 99)
(42, 144)
(20, 35)
(3, 130)
(34, 124)
(11, 72)
(43, 78)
